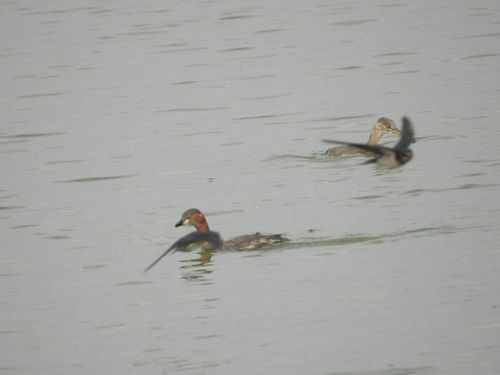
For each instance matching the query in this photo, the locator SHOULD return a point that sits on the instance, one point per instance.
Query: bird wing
(379, 150)
(198, 237)
(160, 258)
(407, 135)
(194, 237)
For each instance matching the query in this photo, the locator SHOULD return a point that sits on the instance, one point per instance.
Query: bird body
(382, 125)
(399, 155)
(209, 240)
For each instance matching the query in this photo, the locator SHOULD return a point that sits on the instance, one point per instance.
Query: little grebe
(196, 218)
(209, 240)
(385, 156)
(383, 125)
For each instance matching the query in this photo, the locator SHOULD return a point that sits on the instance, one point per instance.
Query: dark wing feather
(194, 237)
(160, 258)
(407, 135)
(379, 150)
(211, 237)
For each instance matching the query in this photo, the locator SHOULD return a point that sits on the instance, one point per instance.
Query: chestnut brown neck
(200, 223)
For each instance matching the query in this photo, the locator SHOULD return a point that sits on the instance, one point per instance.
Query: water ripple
(41, 95)
(237, 17)
(354, 22)
(342, 118)
(4, 208)
(31, 135)
(398, 53)
(488, 35)
(236, 49)
(194, 109)
(351, 239)
(94, 179)
(481, 56)
(391, 371)
(452, 188)
(267, 31)
(267, 116)
(129, 283)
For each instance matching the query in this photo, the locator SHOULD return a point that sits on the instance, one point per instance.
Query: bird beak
(394, 131)
(183, 221)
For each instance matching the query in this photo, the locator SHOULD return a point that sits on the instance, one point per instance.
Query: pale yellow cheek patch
(185, 222)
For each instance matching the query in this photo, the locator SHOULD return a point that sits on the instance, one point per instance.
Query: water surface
(117, 117)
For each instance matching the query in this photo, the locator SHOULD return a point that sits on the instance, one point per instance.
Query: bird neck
(201, 224)
(374, 136)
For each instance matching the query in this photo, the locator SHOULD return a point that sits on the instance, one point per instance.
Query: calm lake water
(117, 116)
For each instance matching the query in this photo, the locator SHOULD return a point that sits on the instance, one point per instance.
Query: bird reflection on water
(199, 268)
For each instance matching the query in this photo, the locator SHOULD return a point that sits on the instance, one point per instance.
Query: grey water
(119, 116)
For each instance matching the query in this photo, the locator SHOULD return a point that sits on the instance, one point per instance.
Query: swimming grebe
(385, 156)
(383, 125)
(196, 218)
(209, 240)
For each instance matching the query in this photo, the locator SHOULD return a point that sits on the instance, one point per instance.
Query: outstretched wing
(183, 243)
(379, 150)
(213, 238)
(160, 258)
(407, 135)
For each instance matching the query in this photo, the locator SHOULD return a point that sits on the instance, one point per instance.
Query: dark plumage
(206, 240)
